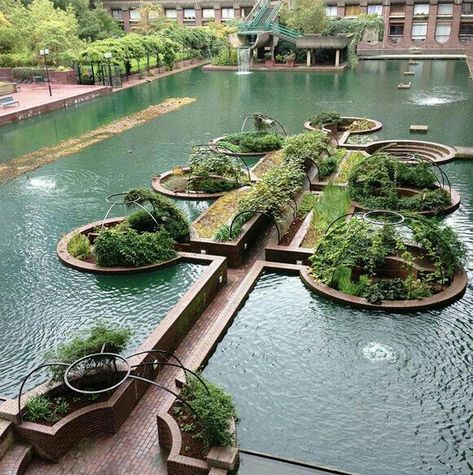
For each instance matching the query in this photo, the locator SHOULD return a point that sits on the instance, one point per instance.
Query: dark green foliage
(170, 218)
(307, 204)
(426, 200)
(309, 145)
(327, 167)
(215, 411)
(325, 118)
(223, 233)
(88, 342)
(207, 162)
(213, 185)
(41, 409)
(248, 142)
(131, 249)
(79, 246)
(27, 74)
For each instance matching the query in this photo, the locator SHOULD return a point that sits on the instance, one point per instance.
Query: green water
(42, 302)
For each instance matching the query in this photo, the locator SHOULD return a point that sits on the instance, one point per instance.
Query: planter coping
(377, 125)
(68, 260)
(242, 154)
(157, 184)
(452, 293)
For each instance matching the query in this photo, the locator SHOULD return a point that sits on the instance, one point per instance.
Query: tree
(307, 16)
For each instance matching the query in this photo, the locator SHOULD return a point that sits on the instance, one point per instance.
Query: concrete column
(309, 57)
(341, 10)
(409, 16)
(455, 31)
(180, 15)
(198, 16)
(386, 12)
(126, 20)
(218, 14)
(337, 57)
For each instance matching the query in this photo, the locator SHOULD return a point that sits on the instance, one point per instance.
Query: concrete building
(437, 27)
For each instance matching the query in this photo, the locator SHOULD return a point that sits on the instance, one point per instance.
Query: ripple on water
(438, 96)
(377, 352)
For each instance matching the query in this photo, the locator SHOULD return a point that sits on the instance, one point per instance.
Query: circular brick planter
(159, 182)
(68, 260)
(215, 142)
(447, 296)
(455, 204)
(334, 129)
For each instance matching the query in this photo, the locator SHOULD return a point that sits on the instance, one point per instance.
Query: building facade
(436, 26)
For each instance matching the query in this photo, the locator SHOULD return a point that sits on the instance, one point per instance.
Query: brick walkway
(134, 449)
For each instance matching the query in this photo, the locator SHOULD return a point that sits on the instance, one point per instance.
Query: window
(245, 11)
(397, 10)
(153, 14)
(171, 13)
(445, 9)
(421, 9)
(208, 13)
(331, 10)
(189, 14)
(227, 13)
(352, 10)
(135, 15)
(467, 9)
(375, 9)
(117, 14)
(419, 31)
(466, 32)
(396, 30)
(442, 32)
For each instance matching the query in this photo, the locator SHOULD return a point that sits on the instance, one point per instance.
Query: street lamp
(108, 56)
(44, 53)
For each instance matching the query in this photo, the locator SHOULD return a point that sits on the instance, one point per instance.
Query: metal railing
(283, 31)
(275, 12)
(259, 10)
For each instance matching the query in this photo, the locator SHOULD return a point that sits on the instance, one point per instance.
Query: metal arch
(366, 217)
(44, 365)
(265, 117)
(256, 211)
(315, 165)
(329, 132)
(186, 370)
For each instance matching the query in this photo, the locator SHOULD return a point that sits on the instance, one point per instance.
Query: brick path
(134, 449)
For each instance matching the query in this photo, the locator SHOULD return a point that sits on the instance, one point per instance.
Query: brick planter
(343, 127)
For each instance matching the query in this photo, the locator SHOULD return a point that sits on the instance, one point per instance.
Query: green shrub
(213, 185)
(307, 204)
(26, 74)
(215, 411)
(131, 249)
(41, 409)
(88, 342)
(327, 167)
(309, 145)
(226, 57)
(257, 142)
(79, 246)
(13, 60)
(325, 118)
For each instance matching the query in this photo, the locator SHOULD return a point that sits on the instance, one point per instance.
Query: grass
(348, 165)
(218, 214)
(270, 160)
(332, 203)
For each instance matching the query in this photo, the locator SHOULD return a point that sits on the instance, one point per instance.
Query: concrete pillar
(337, 57)
(180, 15)
(309, 57)
(198, 16)
(455, 31)
(218, 14)
(431, 24)
(126, 20)
(408, 20)
(237, 11)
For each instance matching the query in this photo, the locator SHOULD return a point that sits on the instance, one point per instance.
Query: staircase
(263, 19)
(15, 456)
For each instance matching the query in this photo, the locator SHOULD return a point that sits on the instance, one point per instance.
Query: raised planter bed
(343, 127)
(447, 296)
(85, 266)
(242, 154)
(159, 185)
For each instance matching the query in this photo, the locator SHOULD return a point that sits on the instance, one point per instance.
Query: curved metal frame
(329, 132)
(270, 120)
(256, 211)
(368, 219)
(134, 202)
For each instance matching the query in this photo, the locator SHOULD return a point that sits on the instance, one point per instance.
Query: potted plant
(280, 58)
(291, 60)
(268, 60)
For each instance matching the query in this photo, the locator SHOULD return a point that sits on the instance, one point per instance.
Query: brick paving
(134, 449)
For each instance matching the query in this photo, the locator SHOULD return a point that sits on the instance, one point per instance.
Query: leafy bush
(131, 249)
(12, 60)
(91, 341)
(26, 74)
(212, 185)
(307, 204)
(327, 167)
(360, 125)
(226, 57)
(215, 411)
(40, 408)
(206, 162)
(247, 142)
(309, 145)
(79, 246)
(325, 118)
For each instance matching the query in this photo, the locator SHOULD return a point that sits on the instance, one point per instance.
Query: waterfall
(244, 56)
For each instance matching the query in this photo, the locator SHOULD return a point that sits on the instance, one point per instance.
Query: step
(17, 459)
(6, 436)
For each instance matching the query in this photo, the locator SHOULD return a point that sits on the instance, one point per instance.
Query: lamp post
(108, 56)
(44, 53)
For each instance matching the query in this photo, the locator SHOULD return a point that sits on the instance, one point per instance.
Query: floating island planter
(386, 260)
(331, 122)
(210, 174)
(386, 182)
(266, 136)
(145, 240)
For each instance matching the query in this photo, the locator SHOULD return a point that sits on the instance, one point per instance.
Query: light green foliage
(309, 145)
(307, 204)
(215, 411)
(325, 118)
(226, 57)
(307, 16)
(348, 165)
(247, 142)
(79, 246)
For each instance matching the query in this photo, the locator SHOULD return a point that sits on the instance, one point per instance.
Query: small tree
(307, 16)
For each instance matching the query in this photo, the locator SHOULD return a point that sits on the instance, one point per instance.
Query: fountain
(244, 58)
